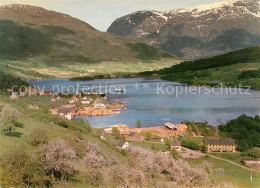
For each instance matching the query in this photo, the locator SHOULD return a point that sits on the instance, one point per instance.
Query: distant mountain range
(197, 32)
(29, 32)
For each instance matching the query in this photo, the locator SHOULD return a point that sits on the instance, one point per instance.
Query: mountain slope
(195, 32)
(238, 68)
(28, 31)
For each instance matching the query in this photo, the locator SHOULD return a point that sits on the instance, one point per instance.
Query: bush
(148, 136)
(18, 169)
(190, 144)
(255, 153)
(88, 126)
(77, 142)
(8, 119)
(249, 74)
(204, 148)
(116, 133)
(175, 154)
(38, 136)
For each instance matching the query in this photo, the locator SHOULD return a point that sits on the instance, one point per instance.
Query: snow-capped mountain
(195, 32)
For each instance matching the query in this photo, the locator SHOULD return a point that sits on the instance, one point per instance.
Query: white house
(122, 144)
(68, 116)
(100, 105)
(73, 100)
(86, 100)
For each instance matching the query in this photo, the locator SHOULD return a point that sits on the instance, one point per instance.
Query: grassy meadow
(237, 68)
(42, 68)
(233, 174)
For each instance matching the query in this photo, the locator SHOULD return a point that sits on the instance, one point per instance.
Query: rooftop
(220, 142)
(121, 143)
(170, 125)
(175, 143)
(69, 106)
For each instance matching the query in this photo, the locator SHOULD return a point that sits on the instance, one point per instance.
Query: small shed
(122, 144)
(176, 145)
(171, 126)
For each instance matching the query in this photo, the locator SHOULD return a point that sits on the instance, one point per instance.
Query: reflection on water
(155, 109)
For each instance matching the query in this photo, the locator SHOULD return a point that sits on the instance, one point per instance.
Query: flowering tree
(8, 119)
(57, 157)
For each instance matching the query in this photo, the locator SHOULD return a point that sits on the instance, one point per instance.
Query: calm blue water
(155, 109)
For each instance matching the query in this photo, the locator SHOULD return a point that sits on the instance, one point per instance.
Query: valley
(162, 99)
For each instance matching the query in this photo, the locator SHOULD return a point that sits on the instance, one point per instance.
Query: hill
(230, 69)
(195, 32)
(245, 130)
(35, 38)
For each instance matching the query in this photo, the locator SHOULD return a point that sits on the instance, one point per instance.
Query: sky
(101, 13)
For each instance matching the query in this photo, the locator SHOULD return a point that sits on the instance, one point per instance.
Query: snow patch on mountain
(161, 14)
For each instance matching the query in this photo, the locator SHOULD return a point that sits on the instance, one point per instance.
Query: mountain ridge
(196, 32)
(70, 36)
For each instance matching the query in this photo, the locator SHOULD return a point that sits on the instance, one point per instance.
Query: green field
(41, 67)
(233, 174)
(235, 157)
(239, 68)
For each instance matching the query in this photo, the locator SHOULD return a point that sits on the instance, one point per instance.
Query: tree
(57, 158)
(245, 130)
(116, 132)
(88, 125)
(148, 136)
(204, 148)
(18, 169)
(138, 124)
(174, 153)
(8, 119)
(242, 145)
(38, 136)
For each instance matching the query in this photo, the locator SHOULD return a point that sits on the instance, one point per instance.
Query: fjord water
(149, 101)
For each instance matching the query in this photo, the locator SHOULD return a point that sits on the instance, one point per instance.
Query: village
(78, 104)
(191, 141)
(170, 134)
(91, 104)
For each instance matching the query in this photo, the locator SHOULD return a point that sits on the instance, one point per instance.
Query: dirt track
(160, 131)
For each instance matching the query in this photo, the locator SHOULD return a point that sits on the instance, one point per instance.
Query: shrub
(148, 136)
(138, 124)
(57, 158)
(88, 126)
(77, 142)
(190, 144)
(8, 119)
(18, 169)
(175, 154)
(249, 74)
(38, 136)
(204, 148)
(116, 133)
